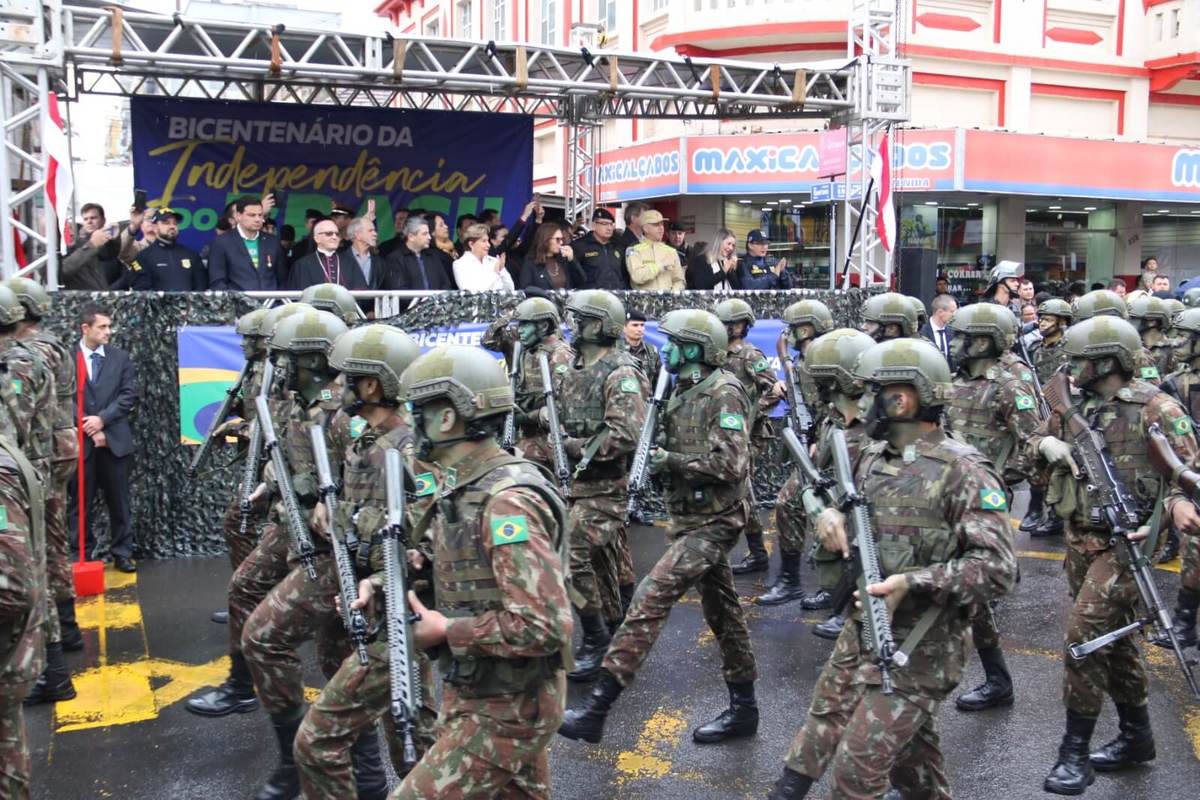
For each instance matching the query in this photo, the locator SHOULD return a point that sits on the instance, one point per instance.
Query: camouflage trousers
(491, 747)
(595, 526)
(1189, 569)
(60, 578)
(1106, 598)
(689, 561)
(240, 546)
(754, 528)
(790, 519)
(16, 765)
(353, 701)
(866, 738)
(254, 578)
(984, 631)
(295, 610)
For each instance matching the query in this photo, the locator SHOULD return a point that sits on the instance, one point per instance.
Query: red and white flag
(60, 183)
(885, 217)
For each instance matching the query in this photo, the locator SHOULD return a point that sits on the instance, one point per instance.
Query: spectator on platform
(399, 217)
(520, 235)
(363, 238)
(551, 262)
(460, 231)
(758, 270)
(475, 270)
(246, 259)
(497, 235)
(415, 266)
(652, 263)
(677, 238)
(287, 239)
(715, 269)
(165, 265)
(442, 247)
(490, 217)
(632, 234)
(96, 259)
(1117, 285)
(225, 224)
(341, 216)
(601, 258)
(149, 232)
(329, 263)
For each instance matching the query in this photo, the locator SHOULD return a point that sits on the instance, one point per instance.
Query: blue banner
(198, 156)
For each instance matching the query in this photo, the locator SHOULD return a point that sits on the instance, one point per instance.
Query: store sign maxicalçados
(644, 170)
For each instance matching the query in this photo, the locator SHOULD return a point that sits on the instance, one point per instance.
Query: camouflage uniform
(30, 395)
(828, 563)
(940, 517)
(22, 609)
(240, 546)
(1185, 385)
(500, 581)
(1048, 358)
(647, 357)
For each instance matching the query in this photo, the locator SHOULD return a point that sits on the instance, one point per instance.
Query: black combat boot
(790, 786)
(818, 600)
(735, 722)
(756, 559)
(1187, 603)
(1073, 773)
(72, 637)
(592, 649)
(1052, 525)
(995, 691)
(587, 721)
(369, 777)
(831, 628)
(787, 586)
(1036, 513)
(284, 783)
(1134, 744)
(235, 695)
(1171, 550)
(54, 684)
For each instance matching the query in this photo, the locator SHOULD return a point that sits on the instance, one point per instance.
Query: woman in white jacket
(475, 270)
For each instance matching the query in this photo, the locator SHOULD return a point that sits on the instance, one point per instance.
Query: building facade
(1064, 134)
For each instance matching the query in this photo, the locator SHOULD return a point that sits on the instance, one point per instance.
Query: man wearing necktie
(410, 266)
(108, 389)
(943, 307)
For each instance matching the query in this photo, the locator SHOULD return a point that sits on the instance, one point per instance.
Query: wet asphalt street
(149, 645)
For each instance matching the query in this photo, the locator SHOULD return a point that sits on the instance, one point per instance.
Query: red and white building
(1062, 133)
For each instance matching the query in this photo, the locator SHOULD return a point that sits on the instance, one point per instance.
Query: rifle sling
(924, 624)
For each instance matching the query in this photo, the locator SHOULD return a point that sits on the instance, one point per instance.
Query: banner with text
(197, 156)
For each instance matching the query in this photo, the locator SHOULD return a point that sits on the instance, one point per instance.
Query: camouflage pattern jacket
(647, 357)
(748, 364)
(22, 572)
(58, 361)
(996, 413)
(27, 393)
(1048, 357)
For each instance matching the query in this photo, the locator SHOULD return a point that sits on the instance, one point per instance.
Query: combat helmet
(1149, 308)
(919, 308)
(274, 315)
(1101, 337)
(537, 309)
(892, 308)
(311, 331)
(333, 298)
(908, 361)
(1188, 320)
(699, 327)
(32, 295)
(1174, 306)
(1056, 307)
(1187, 324)
(11, 310)
(832, 357)
(809, 312)
(473, 381)
(1100, 303)
(733, 311)
(249, 325)
(1191, 298)
(378, 351)
(1005, 270)
(986, 319)
(601, 305)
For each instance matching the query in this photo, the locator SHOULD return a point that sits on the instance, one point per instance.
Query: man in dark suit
(107, 380)
(632, 235)
(327, 264)
(246, 259)
(942, 308)
(412, 266)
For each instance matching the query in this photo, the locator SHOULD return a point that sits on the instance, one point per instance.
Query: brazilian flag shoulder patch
(326, 395)
(1182, 426)
(426, 485)
(17, 385)
(993, 500)
(561, 368)
(732, 422)
(1024, 402)
(1148, 373)
(509, 530)
(357, 426)
(1026, 375)
(3, 518)
(630, 385)
(760, 365)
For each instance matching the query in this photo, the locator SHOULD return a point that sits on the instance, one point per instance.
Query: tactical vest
(530, 390)
(740, 359)
(1047, 359)
(691, 418)
(971, 415)
(1121, 421)
(58, 360)
(464, 581)
(1187, 387)
(582, 408)
(21, 639)
(362, 503)
(35, 434)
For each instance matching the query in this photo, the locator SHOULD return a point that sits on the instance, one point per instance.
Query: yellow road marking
(1191, 724)
(1050, 555)
(651, 756)
(96, 612)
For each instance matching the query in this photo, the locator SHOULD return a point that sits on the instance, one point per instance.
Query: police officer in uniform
(600, 255)
(757, 269)
(633, 340)
(165, 266)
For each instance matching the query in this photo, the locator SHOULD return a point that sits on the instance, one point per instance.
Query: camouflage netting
(174, 517)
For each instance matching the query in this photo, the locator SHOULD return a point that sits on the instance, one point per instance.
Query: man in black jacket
(246, 259)
(164, 265)
(328, 264)
(412, 266)
(632, 235)
(109, 394)
(602, 259)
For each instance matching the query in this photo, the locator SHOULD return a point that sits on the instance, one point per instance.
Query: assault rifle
(353, 618)
(877, 625)
(1120, 513)
(811, 477)
(301, 541)
(561, 468)
(210, 438)
(509, 438)
(1164, 460)
(799, 418)
(253, 455)
(1023, 347)
(639, 473)
(403, 673)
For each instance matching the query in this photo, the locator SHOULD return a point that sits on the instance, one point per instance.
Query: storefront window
(963, 236)
(1175, 242)
(799, 233)
(1058, 246)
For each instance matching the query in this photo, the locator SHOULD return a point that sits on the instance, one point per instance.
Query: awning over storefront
(949, 159)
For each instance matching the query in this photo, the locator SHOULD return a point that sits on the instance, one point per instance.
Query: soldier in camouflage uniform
(805, 320)
(1105, 303)
(706, 454)
(1152, 318)
(941, 519)
(266, 564)
(889, 316)
(602, 408)
(1003, 283)
(23, 606)
(1054, 317)
(993, 408)
(1103, 359)
(335, 299)
(748, 364)
(645, 352)
(538, 329)
(1184, 386)
(502, 625)
(371, 360)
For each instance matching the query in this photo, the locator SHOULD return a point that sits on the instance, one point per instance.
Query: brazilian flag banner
(210, 359)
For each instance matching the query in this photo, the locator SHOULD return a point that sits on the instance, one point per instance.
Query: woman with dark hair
(551, 262)
(441, 245)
